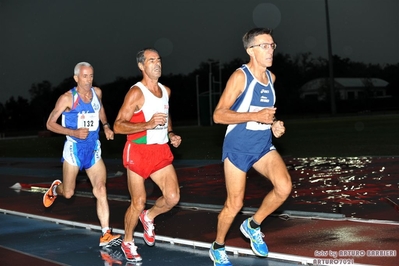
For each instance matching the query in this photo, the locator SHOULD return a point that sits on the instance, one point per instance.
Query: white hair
(78, 66)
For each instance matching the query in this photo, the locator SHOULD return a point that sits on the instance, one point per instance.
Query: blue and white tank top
(251, 137)
(82, 115)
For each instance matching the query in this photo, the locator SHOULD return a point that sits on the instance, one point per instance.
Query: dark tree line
(19, 114)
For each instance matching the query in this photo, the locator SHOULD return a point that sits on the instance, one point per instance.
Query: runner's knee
(172, 199)
(283, 188)
(100, 191)
(234, 206)
(138, 203)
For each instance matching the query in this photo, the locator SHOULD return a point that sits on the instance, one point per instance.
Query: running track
(305, 227)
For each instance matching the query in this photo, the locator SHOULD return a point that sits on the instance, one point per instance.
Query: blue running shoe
(258, 246)
(219, 257)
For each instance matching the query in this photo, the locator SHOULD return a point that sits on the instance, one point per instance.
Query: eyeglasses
(265, 46)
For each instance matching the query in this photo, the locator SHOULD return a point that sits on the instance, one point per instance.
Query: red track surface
(365, 189)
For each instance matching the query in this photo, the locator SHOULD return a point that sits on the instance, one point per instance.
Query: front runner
(247, 107)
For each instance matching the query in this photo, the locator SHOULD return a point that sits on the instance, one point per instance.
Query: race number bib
(252, 125)
(89, 121)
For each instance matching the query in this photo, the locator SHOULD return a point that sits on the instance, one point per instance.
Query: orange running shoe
(49, 198)
(109, 239)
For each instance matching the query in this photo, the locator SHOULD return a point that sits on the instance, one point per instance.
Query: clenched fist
(278, 128)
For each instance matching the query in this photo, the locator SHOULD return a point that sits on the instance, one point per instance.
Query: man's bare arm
(223, 114)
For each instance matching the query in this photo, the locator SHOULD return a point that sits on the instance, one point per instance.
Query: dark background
(41, 41)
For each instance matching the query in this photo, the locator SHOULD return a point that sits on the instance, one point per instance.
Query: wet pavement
(37, 242)
(337, 205)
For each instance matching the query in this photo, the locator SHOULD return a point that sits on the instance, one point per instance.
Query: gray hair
(140, 55)
(78, 66)
(249, 37)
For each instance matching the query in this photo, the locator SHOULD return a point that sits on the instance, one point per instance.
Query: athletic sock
(253, 224)
(104, 230)
(55, 190)
(217, 245)
(146, 217)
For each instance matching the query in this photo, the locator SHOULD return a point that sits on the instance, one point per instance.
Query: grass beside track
(371, 135)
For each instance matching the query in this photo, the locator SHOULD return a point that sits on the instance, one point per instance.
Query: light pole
(212, 81)
(210, 94)
(330, 62)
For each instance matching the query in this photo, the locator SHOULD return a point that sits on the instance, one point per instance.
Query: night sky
(44, 39)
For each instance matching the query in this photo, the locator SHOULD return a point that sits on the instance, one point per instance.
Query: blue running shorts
(84, 155)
